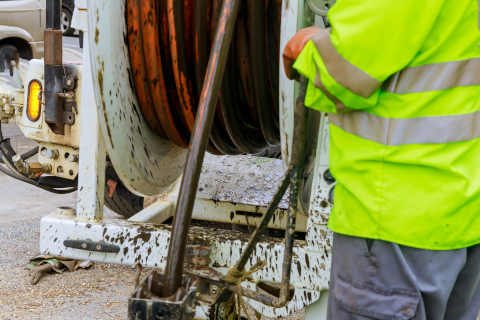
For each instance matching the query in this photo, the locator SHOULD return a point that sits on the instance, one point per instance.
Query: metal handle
(300, 126)
(90, 245)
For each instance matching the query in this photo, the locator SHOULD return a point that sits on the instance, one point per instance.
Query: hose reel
(169, 45)
(147, 130)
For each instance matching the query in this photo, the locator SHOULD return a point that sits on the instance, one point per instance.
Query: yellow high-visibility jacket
(400, 81)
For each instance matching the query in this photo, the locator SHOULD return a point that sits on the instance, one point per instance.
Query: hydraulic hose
(45, 183)
(25, 156)
(35, 183)
(57, 182)
(7, 154)
(29, 154)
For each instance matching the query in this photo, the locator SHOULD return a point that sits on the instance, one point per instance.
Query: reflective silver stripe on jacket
(339, 106)
(345, 74)
(396, 132)
(435, 76)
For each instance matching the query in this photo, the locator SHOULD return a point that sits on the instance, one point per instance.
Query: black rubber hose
(5, 148)
(29, 154)
(7, 154)
(25, 156)
(35, 183)
(258, 53)
(57, 182)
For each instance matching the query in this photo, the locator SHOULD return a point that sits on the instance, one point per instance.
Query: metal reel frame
(146, 164)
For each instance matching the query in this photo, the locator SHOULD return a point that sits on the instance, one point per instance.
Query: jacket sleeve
(368, 42)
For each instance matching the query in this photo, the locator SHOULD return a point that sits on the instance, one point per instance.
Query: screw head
(323, 203)
(99, 247)
(201, 251)
(16, 159)
(84, 245)
(51, 154)
(46, 167)
(327, 175)
(73, 158)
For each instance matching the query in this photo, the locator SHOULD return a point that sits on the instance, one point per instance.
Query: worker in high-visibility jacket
(400, 81)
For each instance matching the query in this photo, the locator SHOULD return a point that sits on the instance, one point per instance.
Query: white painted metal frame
(141, 238)
(91, 180)
(146, 164)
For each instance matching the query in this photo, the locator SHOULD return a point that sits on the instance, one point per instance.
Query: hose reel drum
(149, 161)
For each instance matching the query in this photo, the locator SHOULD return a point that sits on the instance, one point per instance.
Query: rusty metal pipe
(257, 296)
(198, 145)
(202, 35)
(289, 238)
(274, 291)
(292, 176)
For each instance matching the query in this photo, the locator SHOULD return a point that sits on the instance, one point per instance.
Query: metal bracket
(320, 7)
(145, 304)
(70, 82)
(143, 309)
(90, 245)
(68, 117)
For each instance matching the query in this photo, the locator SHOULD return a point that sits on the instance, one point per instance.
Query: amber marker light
(34, 100)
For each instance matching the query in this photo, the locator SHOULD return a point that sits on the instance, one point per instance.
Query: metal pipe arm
(198, 145)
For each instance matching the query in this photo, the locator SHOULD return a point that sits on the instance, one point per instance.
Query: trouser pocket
(361, 301)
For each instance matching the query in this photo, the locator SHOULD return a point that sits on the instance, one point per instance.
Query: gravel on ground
(100, 292)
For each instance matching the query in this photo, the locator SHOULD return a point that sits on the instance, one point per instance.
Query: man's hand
(293, 49)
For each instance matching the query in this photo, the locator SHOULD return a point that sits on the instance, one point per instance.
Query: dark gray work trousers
(374, 279)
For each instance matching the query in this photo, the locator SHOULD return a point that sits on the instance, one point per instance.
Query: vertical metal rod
(198, 144)
(297, 160)
(53, 14)
(53, 68)
(289, 236)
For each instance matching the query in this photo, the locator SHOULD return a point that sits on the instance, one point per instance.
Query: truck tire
(66, 22)
(122, 201)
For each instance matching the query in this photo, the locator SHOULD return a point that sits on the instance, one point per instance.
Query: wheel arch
(22, 45)
(66, 6)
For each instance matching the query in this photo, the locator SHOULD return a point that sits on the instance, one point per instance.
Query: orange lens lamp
(34, 107)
